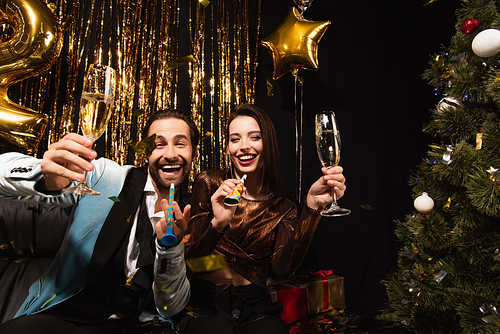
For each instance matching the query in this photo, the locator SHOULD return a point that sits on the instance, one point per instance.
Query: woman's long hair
(270, 153)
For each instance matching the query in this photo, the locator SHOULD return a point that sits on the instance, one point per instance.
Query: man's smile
(171, 169)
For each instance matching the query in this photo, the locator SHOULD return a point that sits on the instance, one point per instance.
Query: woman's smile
(246, 159)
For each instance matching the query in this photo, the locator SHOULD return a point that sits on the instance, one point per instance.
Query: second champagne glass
(328, 146)
(96, 107)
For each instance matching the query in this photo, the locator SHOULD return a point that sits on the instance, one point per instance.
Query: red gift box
(292, 296)
(306, 294)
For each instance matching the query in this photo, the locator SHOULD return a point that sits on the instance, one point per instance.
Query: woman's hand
(222, 212)
(320, 193)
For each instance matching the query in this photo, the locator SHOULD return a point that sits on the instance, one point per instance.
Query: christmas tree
(448, 275)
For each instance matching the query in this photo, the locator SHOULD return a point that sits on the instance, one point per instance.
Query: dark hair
(174, 113)
(270, 152)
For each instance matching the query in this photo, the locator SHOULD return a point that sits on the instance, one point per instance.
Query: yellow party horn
(169, 238)
(234, 197)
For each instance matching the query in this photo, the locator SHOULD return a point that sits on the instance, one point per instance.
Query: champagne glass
(96, 107)
(328, 147)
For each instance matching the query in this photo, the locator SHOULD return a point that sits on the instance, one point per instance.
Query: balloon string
(297, 197)
(298, 137)
(301, 83)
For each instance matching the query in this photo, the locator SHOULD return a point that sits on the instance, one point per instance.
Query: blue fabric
(68, 272)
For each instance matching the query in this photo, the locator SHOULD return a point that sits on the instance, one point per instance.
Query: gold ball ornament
(294, 44)
(423, 203)
(30, 42)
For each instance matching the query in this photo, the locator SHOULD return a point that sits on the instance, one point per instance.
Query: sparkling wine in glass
(96, 107)
(328, 147)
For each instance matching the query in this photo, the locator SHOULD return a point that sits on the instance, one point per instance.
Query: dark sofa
(30, 235)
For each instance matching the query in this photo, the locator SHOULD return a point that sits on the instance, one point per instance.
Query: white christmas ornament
(486, 43)
(449, 103)
(423, 203)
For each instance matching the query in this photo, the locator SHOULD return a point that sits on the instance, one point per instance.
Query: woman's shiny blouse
(262, 232)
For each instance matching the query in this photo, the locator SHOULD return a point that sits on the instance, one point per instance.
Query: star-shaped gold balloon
(294, 44)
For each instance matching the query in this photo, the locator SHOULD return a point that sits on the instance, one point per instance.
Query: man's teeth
(170, 168)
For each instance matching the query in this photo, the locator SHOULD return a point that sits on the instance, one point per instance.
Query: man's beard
(162, 183)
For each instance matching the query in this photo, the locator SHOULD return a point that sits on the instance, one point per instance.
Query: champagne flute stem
(84, 178)
(334, 198)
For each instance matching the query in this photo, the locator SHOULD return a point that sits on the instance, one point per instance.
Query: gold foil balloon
(30, 42)
(294, 44)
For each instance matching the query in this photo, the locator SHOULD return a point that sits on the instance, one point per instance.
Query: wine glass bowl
(94, 121)
(96, 107)
(328, 147)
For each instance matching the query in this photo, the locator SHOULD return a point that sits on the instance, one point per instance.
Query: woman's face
(245, 145)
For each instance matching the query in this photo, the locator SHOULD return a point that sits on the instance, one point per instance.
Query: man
(106, 273)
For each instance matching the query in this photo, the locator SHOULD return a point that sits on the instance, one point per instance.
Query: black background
(371, 59)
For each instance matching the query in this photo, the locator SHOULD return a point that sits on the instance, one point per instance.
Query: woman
(263, 229)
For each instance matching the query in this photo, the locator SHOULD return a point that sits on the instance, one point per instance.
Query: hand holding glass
(328, 147)
(96, 107)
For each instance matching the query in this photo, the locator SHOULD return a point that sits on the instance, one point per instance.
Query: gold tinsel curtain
(143, 40)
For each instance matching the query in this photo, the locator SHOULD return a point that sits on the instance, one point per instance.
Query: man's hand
(65, 161)
(181, 219)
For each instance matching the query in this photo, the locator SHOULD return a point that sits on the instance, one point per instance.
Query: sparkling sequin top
(262, 232)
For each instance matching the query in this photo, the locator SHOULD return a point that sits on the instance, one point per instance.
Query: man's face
(170, 161)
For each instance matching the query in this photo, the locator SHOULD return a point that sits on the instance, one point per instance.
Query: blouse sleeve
(293, 240)
(203, 237)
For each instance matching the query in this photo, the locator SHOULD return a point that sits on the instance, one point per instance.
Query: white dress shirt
(133, 244)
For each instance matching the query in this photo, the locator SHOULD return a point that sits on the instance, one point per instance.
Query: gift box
(324, 291)
(308, 294)
(292, 296)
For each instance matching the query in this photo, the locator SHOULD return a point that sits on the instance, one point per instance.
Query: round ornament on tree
(469, 26)
(449, 103)
(423, 203)
(486, 43)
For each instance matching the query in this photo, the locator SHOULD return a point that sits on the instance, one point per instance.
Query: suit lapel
(119, 221)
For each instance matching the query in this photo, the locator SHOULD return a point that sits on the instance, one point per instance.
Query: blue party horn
(169, 239)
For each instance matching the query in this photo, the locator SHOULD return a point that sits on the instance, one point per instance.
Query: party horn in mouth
(169, 239)
(234, 197)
